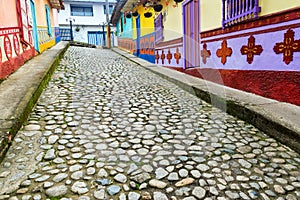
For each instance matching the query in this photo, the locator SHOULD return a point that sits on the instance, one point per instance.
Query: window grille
(111, 8)
(158, 23)
(237, 11)
(81, 10)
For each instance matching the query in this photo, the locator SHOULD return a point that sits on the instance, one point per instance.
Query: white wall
(82, 34)
(84, 23)
(55, 17)
(98, 12)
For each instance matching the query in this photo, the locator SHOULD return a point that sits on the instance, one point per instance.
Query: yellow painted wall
(172, 23)
(210, 14)
(211, 11)
(41, 12)
(134, 28)
(8, 13)
(147, 24)
(47, 45)
(172, 20)
(45, 41)
(273, 6)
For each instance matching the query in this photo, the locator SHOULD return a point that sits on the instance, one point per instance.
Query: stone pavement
(20, 91)
(106, 128)
(278, 119)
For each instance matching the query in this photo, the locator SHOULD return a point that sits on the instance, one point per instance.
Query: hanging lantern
(158, 7)
(178, 1)
(147, 14)
(128, 15)
(135, 14)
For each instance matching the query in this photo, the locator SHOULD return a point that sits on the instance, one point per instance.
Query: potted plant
(147, 14)
(135, 14)
(128, 15)
(158, 7)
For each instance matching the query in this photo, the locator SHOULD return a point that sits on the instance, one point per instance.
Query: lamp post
(103, 33)
(107, 22)
(71, 20)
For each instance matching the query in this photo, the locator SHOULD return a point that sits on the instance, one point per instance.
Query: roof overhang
(129, 5)
(124, 6)
(58, 4)
(117, 11)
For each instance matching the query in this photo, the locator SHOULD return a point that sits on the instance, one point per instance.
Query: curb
(21, 90)
(277, 119)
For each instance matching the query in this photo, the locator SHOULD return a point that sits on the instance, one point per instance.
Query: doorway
(191, 30)
(34, 27)
(95, 37)
(138, 35)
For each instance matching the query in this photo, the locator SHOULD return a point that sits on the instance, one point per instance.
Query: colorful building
(88, 18)
(136, 33)
(45, 23)
(250, 45)
(26, 30)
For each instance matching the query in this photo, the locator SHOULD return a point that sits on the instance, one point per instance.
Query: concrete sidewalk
(20, 91)
(278, 119)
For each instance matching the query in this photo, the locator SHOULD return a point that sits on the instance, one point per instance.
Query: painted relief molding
(8, 48)
(169, 56)
(162, 56)
(205, 53)
(288, 46)
(224, 52)
(16, 45)
(177, 55)
(157, 57)
(251, 49)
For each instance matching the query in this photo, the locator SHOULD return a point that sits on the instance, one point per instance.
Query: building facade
(250, 45)
(26, 30)
(88, 18)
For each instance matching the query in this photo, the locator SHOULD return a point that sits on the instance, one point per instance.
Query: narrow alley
(106, 128)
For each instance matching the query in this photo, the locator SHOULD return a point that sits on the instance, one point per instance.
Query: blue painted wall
(127, 27)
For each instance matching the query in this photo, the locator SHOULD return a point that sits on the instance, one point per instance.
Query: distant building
(27, 28)
(88, 18)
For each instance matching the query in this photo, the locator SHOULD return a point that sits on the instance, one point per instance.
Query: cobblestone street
(106, 128)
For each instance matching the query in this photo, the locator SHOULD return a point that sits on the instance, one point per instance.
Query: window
(111, 8)
(22, 13)
(48, 18)
(121, 23)
(236, 11)
(81, 10)
(158, 23)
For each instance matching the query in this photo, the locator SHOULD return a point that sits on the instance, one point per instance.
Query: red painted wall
(279, 85)
(8, 67)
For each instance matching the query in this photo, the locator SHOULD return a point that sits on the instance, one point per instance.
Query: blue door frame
(138, 35)
(34, 27)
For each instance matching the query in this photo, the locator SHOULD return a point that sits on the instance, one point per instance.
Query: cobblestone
(107, 128)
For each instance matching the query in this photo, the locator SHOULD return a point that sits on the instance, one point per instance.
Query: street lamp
(103, 33)
(71, 20)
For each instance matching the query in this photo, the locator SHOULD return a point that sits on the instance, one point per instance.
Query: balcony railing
(237, 11)
(159, 32)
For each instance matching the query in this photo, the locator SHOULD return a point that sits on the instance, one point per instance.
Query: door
(95, 37)
(191, 30)
(138, 35)
(34, 27)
